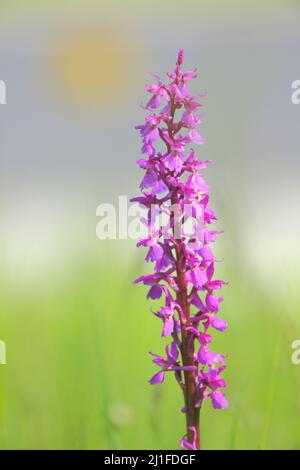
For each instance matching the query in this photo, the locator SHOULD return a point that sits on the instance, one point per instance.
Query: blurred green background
(77, 331)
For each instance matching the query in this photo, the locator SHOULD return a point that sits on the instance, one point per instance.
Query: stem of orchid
(187, 353)
(187, 343)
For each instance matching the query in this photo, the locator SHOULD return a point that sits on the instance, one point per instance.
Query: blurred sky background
(75, 75)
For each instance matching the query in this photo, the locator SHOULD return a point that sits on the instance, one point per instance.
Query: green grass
(78, 365)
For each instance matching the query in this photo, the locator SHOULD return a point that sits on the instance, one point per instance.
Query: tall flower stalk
(178, 241)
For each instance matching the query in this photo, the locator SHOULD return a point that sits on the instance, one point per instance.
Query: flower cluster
(173, 189)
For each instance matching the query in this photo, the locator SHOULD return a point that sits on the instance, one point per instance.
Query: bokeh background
(77, 331)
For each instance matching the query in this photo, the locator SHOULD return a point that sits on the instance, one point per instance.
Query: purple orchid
(184, 263)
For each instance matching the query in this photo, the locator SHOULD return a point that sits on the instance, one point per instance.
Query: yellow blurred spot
(94, 67)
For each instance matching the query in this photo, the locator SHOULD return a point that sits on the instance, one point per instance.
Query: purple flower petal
(196, 137)
(155, 292)
(219, 324)
(154, 102)
(218, 399)
(157, 378)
